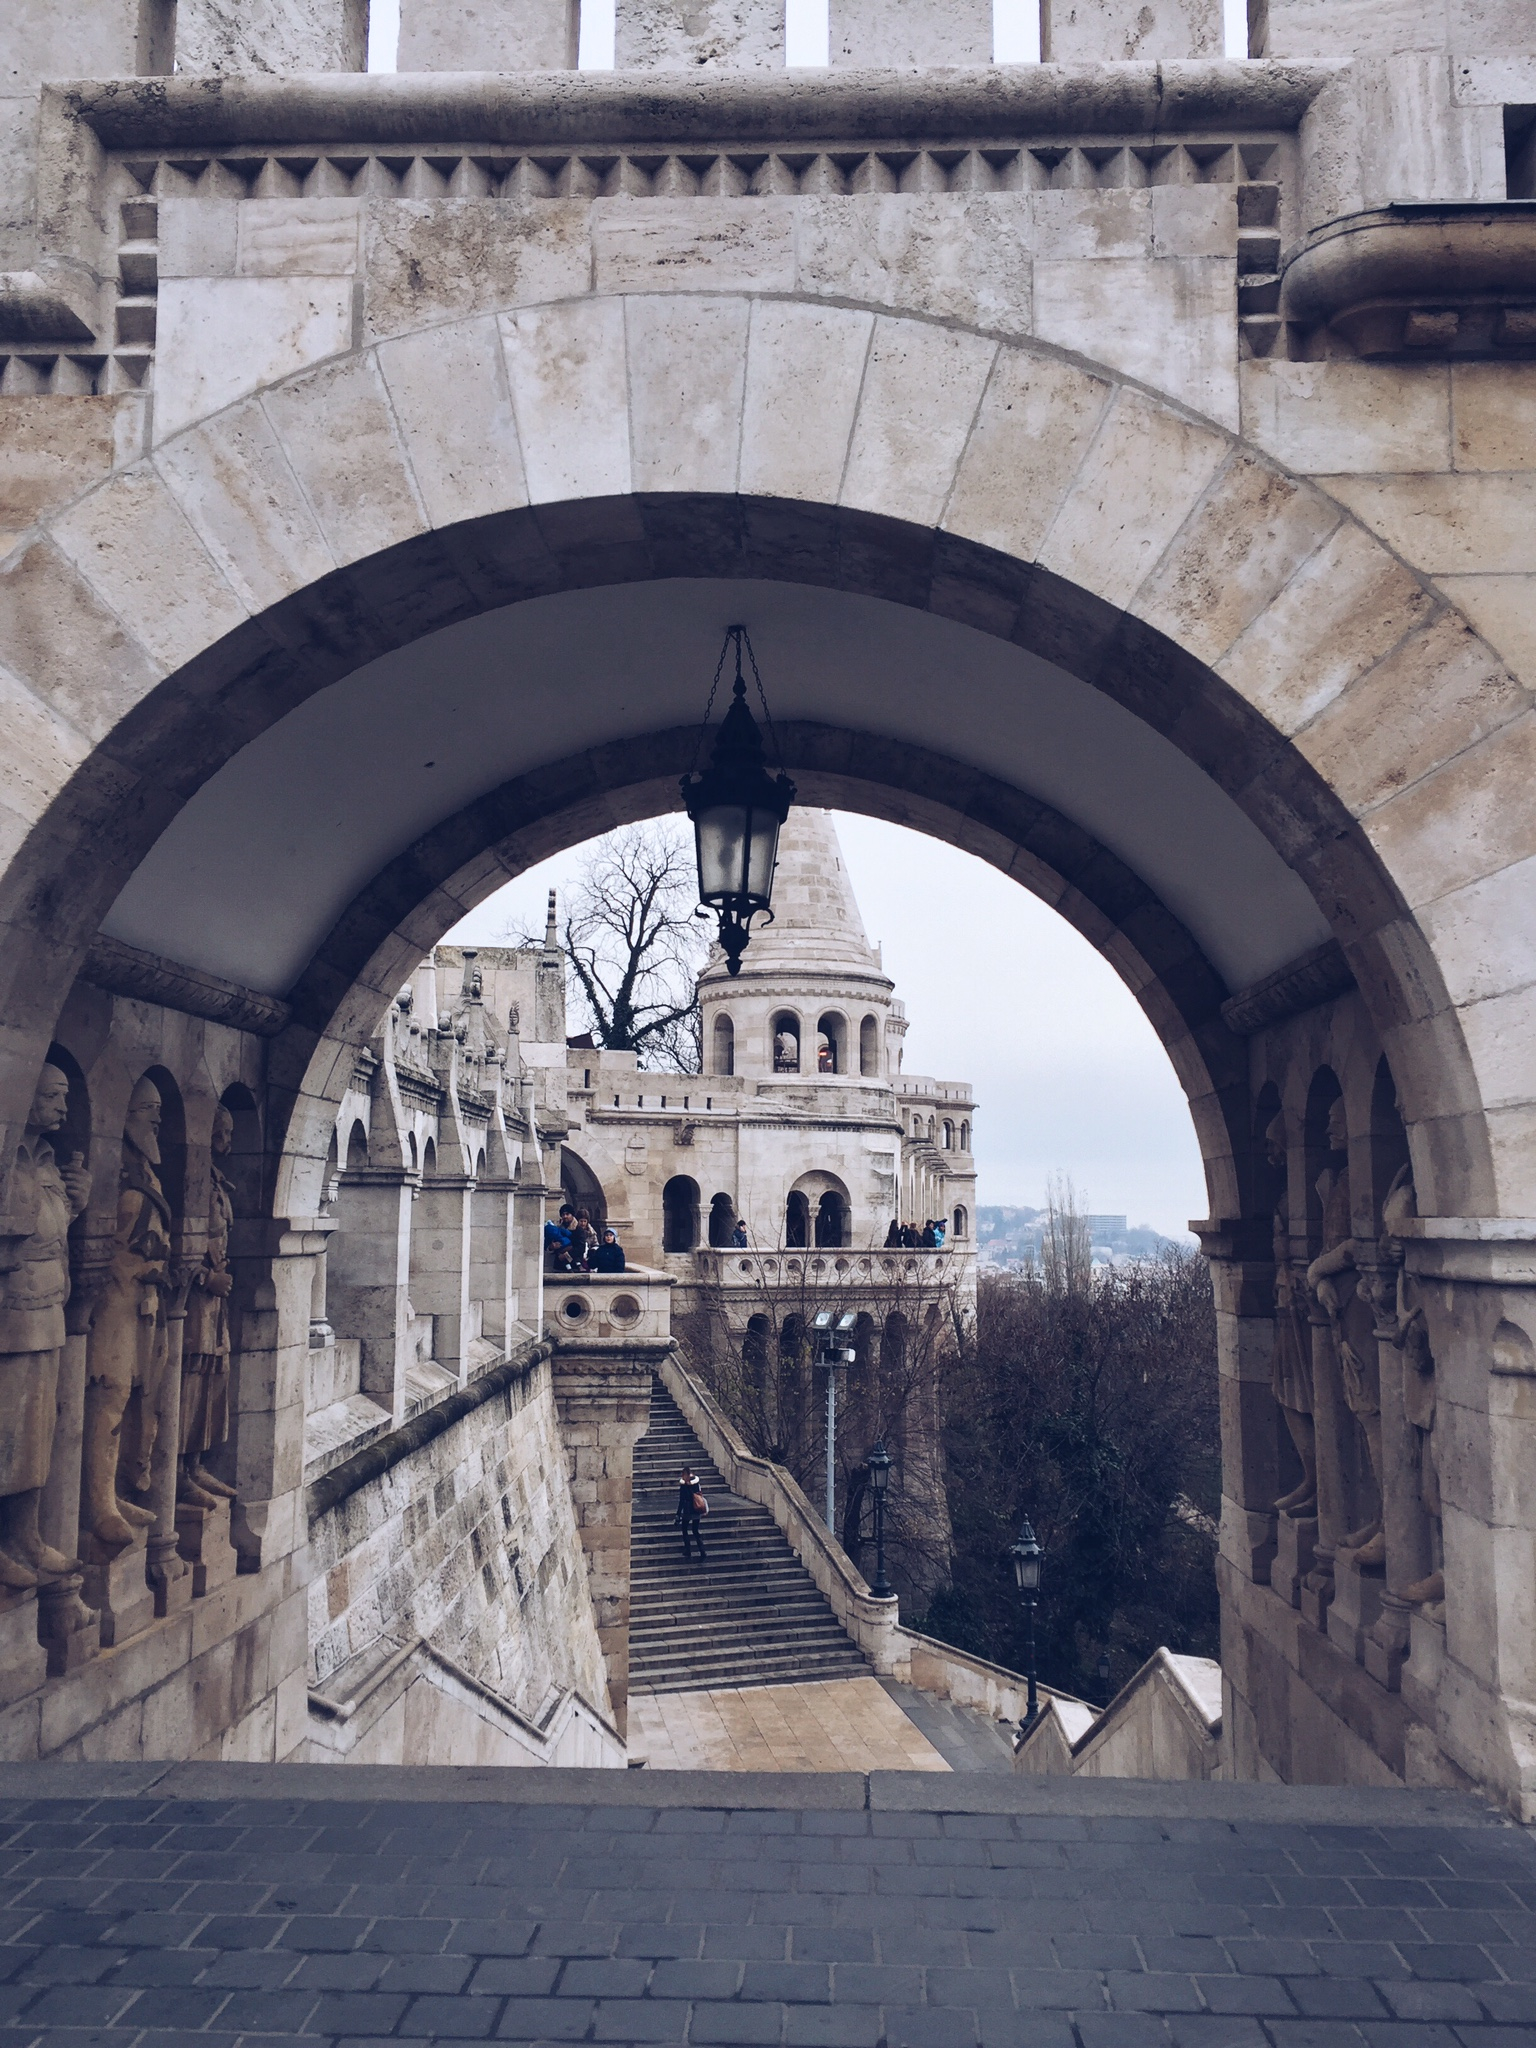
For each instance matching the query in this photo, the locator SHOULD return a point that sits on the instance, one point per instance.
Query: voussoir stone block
(805, 365)
(922, 386)
(1469, 819)
(569, 379)
(1141, 479)
(133, 543)
(1246, 540)
(450, 396)
(1364, 746)
(238, 489)
(687, 366)
(1167, 321)
(221, 338)
(1345, 608)
(337, 428)
(1032, 431)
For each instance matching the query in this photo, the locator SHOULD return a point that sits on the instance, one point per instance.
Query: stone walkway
(847, 1724)
(281, 1907)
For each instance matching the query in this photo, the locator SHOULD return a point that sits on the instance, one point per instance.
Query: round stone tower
(811, 1001)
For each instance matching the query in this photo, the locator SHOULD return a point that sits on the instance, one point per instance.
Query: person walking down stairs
(692, 1507)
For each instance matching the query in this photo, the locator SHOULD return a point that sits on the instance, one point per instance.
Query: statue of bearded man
(205, 1345)
(34, 1286)
(128, 1347)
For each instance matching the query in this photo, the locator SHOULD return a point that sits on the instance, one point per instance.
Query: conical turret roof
(816, 929)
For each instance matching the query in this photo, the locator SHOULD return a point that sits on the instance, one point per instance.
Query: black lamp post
(737, 808)
(1027, 1554)
(879, 1463)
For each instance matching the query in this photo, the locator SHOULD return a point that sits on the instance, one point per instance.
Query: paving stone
(546, 2019)
(747, 2024)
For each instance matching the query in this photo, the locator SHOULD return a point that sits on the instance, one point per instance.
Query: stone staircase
(750, 1615)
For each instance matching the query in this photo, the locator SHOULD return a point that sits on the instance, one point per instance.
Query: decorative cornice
(125, 971)
(1317, 977)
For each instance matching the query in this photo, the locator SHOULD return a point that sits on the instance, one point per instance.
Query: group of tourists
(916, 1237)
(572, 1245)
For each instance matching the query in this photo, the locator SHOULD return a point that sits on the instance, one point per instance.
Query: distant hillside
(1011, 1237)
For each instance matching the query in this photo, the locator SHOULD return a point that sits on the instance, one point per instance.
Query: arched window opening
(680, 1214)
(754, 1352)
(831, 1035)
(429, 1160)
(722, 1220)
(580, 1186)
(965, 1136)
(725, 1045)
(948, 1135)
(797, 1221)
(869, 1047)
(357, 1147)
(962, 1223)
(786, 1043)
(831, 1219)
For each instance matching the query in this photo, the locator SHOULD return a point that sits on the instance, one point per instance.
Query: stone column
(1121, 31)
(1245, 1327)
(699, 35)
(488, 35)
(440, 1258)
(273, 1264)
(169, 1577)
(528, 1252)
(368, 1272)
(1328, 1415)
(68, 1629)
(603, 1400)
(493, 1278)
(1403, 1517)
(909, 33)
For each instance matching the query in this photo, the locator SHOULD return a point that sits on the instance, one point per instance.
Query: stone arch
(722, 1044)
(784, 1038)
(832, 1042)
(680, 1214)
(869, 1047)
(1240, 611)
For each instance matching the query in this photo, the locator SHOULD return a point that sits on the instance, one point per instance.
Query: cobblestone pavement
(842, 1910)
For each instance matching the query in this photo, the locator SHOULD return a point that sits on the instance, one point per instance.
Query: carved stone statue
(1291, 1360)
(127, 1348)
(1412, 1339)
(786, 1052)
(34, 1286)
(1334, 1276)
(205, 1345)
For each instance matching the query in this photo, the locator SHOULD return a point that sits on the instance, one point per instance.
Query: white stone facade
(1130, 461)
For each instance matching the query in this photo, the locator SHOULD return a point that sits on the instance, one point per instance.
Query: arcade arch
(1165, 668)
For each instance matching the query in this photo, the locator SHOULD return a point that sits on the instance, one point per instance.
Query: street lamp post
(737, 808)
(879, 1462)
(834, 1353)
(1027, 1554)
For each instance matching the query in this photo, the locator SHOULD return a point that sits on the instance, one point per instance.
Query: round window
(624, 1308)
(574, 1308)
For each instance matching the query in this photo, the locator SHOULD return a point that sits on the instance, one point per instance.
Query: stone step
(749, 1615)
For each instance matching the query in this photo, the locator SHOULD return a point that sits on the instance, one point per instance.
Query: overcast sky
(1001, 992)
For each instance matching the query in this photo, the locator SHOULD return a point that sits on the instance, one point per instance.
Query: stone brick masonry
(231, 1905)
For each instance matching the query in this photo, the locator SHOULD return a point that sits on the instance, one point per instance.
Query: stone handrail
(895, 1652)
(1164, 1723)
(871, 1623)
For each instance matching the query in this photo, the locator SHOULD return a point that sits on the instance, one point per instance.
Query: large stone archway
(1240, 616)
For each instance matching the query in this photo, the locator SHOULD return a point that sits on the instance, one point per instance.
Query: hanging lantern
(737, 808)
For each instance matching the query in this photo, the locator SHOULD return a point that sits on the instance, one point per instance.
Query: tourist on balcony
(739, 1234)
(557, 1242)
(609, 1256)
(893, 1237)
(929, 1239)
(583, 1239)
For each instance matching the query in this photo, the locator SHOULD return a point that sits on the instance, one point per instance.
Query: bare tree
(1066, 1245)
(765, 1377)
(635, 947)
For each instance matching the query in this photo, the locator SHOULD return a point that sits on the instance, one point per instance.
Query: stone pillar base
(1294, 1540)
(23, 1659)
(202, 1536)
(117, 1585)
(69, 1631)
(1356, 1604)
(1386, 1647)
(1426, 1660)
(1316, 1594)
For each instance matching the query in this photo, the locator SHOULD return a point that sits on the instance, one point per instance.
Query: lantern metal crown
(737, 808)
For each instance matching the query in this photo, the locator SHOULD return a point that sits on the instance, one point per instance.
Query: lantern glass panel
(721, 833)
(764, 836)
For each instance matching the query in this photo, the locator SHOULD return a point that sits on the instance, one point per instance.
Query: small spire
(551, 928)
